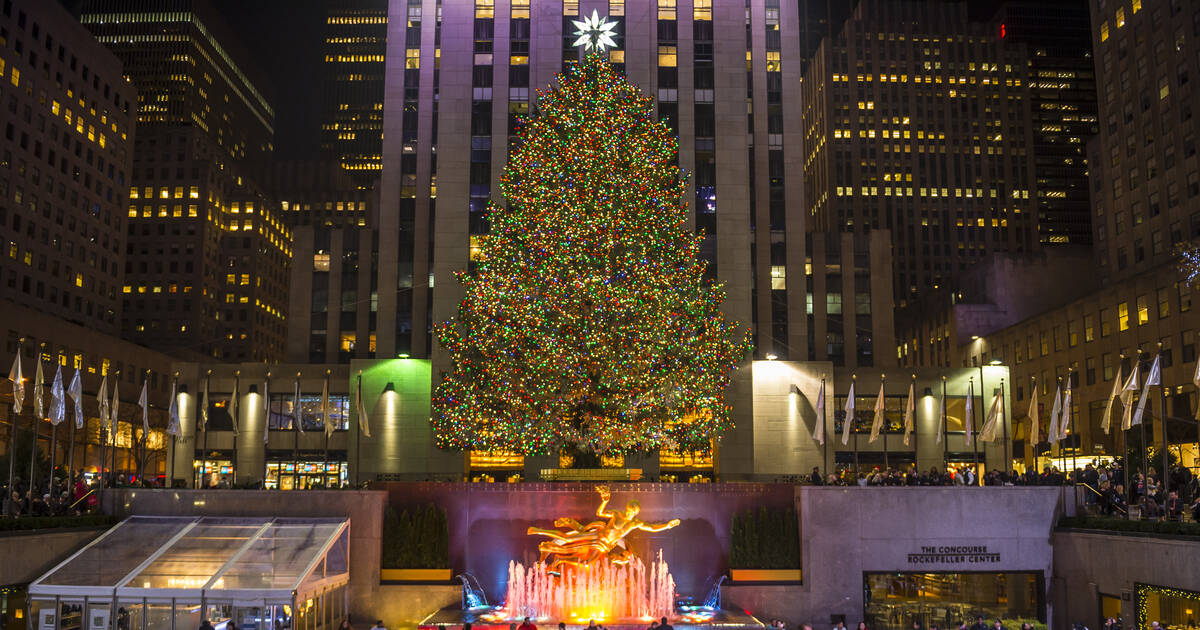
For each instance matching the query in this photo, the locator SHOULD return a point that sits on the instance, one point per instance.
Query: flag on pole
(267, 408)
(233, 403)
(909, 408)
(297, 412)
(1106, 420)
(994, 418)
(1127, 392)
(102, 398)
(1153, 379)
(325, 419)
(877, 421)
(849, 421)
(204, 404)
(1035, 432)
(58, 400)
(173, 427)
(18, 381)
(1052, 433)
(969, 412)
(144, 403)
(941, 421)
(76, 393)
(39, 386)
(1196, 382)
(364, 423)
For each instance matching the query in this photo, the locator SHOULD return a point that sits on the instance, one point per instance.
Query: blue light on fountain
(473, 596)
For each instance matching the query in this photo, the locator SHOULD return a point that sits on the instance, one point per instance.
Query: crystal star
(594, 32)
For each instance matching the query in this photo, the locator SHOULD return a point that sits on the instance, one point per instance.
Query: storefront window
(895, 600)
(1170, 607)
(306, 475)
(282, 411)
(214, 472)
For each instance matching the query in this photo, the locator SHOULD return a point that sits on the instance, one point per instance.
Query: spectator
(664, 625)
(378, 625)
(528, 625)
(1173, 506)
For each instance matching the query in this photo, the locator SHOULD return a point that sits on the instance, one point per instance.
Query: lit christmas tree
(588, 324)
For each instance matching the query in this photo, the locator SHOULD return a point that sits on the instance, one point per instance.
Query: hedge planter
(414, 575)
(765, 575)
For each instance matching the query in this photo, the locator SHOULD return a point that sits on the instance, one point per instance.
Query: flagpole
(916, 433)
(854, 430)
(325, 426)
(975, 432)
(145, 444)
(1004, 432)
(1034, 440)
(825, 442)
(945, 431)
(204, 445)
(53, 444)
(71, 461)
(116, 410)
(174, 385)
(237, 408)
(12, 444)
(37, 428)
(1074, 438)
(1162, 394)
(1145, 448)
(267, 431)
(296, 418)
(358, 436)
(882, 381)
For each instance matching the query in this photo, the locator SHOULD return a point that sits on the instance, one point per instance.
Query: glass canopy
(207, 560)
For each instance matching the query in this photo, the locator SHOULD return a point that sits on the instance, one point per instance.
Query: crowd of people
(65, 497)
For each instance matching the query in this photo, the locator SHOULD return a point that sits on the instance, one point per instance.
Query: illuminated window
(347, 342)
(667, 56)
(1123, 316)
(520, 9)
(412, 58)
(778, 277)
(194, 192)
(666, 9)
(1143, 310)
(1137, 6)
(1104, 31)
(773, 64)
(1120, 17)
(702, 10)
(484, 9)
(321, 262)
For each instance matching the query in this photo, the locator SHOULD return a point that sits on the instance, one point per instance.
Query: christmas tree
(588, 323)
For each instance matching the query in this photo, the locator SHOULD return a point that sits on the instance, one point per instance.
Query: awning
(242, 561)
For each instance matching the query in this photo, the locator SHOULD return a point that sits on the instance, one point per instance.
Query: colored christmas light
(588, 323)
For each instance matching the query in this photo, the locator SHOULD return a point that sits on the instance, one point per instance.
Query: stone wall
(1090, 564)
(28, 555)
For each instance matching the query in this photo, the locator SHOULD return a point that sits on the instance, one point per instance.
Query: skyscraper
(917, 120)
(352, 87)
(206, 273)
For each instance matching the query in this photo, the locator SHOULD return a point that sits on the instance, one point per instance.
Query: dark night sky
(283, 38)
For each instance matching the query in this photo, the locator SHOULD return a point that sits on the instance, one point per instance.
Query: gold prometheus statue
(578, 545)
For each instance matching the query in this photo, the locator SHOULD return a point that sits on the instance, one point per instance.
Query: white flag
(1064, 421)
(994, 419)
(76, 393)
(18, 382)
(941, 422)
(328, 422)
(1196, 382)
(1035, 431)
(909, 408)
(39, 386)
(877, 420)
(1106, 421)
(297, 412)
(58, 400)
(102, 399)
(1127, 392)
(233, 404)
(969, 412)
(144, 403)
(204, 405)
(1153, 379)
(1052, 433)
(364, 423)
(173, 427)
(849, 421)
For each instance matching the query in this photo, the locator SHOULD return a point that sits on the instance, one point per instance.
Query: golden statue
(578, 544)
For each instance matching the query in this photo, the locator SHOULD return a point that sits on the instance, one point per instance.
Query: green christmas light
(588, 322)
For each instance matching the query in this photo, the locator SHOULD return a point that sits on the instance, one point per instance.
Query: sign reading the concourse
(954, 554)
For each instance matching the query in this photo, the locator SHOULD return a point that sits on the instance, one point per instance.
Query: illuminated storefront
(893, 601)
(306, 475)
(1170, 607)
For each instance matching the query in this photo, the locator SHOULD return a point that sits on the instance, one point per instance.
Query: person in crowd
(206, 625)
(979, 624)
(1111, 624)
(379, 625)
(653, 625)
(592, 625)
(664, 625)
(815, 476)
(1173, 507)
(527, 625)
(841, 625)
(862, 625)
(996, 625)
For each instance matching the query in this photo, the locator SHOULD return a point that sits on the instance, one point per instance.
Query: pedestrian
(527, 625)
(979, 624)
(998, 626)
(379, 625)
(205, 625)
(653, 626)
(592, 625)
(664, 625)
(346, 624)
(841, 625)
(862, 625)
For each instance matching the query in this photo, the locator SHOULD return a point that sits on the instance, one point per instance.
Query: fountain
(585, 572)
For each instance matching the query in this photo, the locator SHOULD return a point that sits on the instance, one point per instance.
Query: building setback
(206, 274)
(917, 120)
(352, 83)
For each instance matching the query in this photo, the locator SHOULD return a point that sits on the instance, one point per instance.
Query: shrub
(56, 522)
(764, 539)
(416, 540)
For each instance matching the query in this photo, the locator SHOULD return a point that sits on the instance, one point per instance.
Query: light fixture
(253, 388)
(772, 356)
(928, 392)
(402, 355)
(994, 362)
(795, 390)
(974, 337)
(390, 387)
(183, 388)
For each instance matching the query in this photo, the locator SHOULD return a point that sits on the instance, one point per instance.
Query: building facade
(206, 274)
(916, 120)
(352, 84)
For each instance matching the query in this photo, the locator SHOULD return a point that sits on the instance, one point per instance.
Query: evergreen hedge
(416, 540)
(56, 522)
(764, 539)
(1125, 525)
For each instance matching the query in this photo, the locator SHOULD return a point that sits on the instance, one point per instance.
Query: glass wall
(291, 475)
(1170, 607)
(893, 601)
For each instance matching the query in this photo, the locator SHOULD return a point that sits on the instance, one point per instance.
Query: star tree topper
(595, 32)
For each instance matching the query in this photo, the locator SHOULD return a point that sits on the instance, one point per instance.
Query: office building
(206, 274)
(916, 120)
(352, 81)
